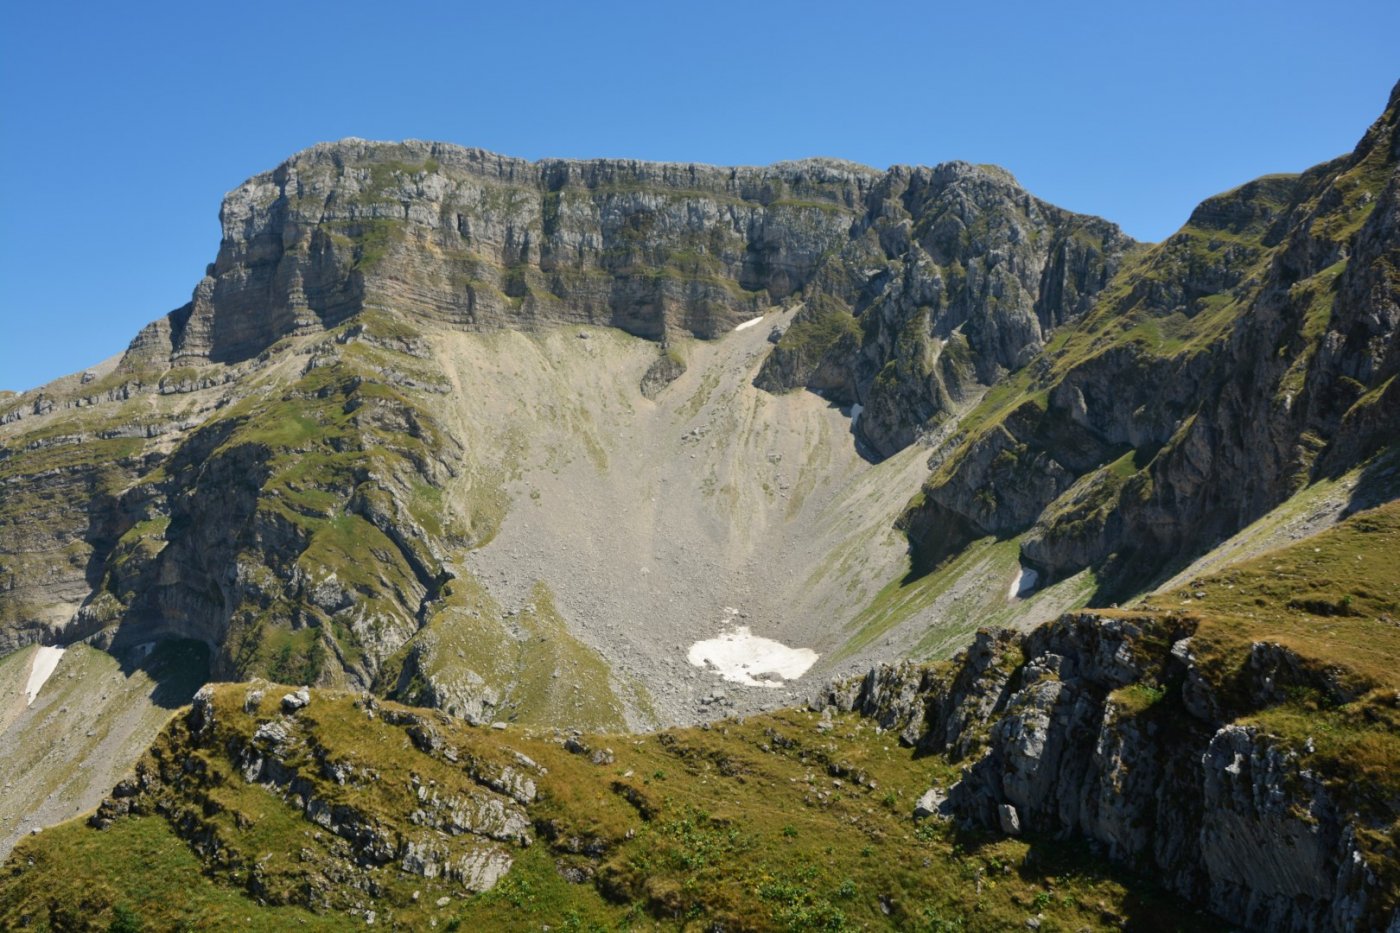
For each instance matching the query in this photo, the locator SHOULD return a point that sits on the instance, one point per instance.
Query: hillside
(1248, 356)
(564, 486)
(1231, 741)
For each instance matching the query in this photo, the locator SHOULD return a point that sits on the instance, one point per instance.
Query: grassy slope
(544, 675)
(1334, 601)
(769, 823)
(774, 822)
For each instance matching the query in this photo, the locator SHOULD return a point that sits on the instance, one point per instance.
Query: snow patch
(1023, 583)
(41, 668)
(855, 414)
(741, 657)
(748, 324)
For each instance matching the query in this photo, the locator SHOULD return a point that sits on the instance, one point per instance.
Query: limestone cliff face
(1109, 730)
(971, 277)
(283, 424)
(956, 258)
(1248, 355)
(469, 238)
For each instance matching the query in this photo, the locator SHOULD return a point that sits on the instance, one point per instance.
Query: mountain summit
(573, 449)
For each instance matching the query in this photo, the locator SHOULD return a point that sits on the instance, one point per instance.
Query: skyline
(137, 124)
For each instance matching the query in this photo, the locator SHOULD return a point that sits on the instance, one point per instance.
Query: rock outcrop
(1108, 729)
(466, 833)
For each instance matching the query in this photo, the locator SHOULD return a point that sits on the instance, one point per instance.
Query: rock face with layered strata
(957, 258)
(269, 477)
(480, 240)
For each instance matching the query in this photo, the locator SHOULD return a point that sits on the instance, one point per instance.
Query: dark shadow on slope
(179, 667)
(1133, 572)
(852, 411)
(102, 532)
(1378, 483)
(935, 537)
(1056, 865)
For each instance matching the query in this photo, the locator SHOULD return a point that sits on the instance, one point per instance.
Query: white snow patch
(45, 660)
(1023, 583)
(748, 324)
(855, 414)
(741, 657)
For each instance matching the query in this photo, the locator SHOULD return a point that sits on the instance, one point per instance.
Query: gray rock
(1008, 819)
(292, 702)
(275, 732)
(931, 803)
(201, 714)
(667, 368)
(1221, 813)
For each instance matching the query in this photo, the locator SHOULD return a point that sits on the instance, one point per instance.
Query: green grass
(539, 672)
(1333, 598)
(168, 890)
(1136, 699)
(762, 824)
(559, 680)
(902, 598)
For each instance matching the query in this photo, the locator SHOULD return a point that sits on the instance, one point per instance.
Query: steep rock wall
(1107, 729)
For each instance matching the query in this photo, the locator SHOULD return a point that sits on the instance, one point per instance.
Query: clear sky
(122, 124)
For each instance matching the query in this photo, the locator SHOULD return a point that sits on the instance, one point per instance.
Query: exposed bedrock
(1107, 729)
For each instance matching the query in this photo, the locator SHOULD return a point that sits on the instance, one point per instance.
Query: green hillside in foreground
(783, 821)
(247, 815)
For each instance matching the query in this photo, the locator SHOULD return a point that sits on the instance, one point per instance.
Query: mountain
(562, 446)
(1251, 354)
(288, 467)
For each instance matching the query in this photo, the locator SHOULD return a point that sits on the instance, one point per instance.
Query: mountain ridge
(497, 438)
(350, 246)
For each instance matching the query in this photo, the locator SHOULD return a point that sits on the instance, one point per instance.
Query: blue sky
(121, 125)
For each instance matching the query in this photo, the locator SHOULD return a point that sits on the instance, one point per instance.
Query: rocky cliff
(955, 255)
(962, 277)
(1250, 354)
